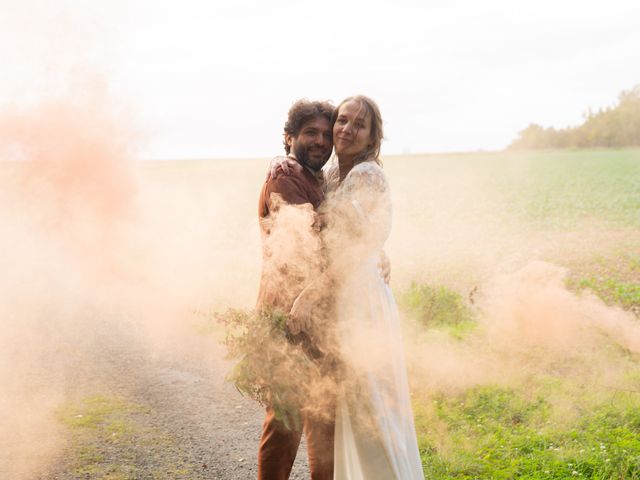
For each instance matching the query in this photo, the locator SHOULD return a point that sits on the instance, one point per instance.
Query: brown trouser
(279, 445)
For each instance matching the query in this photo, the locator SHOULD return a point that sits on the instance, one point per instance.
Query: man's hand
(286, 164)
(384, 266)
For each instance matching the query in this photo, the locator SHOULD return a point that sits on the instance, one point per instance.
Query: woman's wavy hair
(301, 112)
(372, 153)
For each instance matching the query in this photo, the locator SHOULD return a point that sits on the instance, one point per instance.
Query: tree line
(617, 126)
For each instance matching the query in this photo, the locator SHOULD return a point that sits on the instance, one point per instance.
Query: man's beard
(302, 154)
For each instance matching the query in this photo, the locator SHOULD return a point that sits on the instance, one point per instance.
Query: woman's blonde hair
(373, 151)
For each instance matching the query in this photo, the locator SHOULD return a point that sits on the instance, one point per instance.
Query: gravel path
(216, 429)
(208, 415)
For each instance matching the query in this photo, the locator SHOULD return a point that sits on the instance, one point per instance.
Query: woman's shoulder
(368, 166)
(369, 173)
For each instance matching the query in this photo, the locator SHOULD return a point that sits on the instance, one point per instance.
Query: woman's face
(352, 130)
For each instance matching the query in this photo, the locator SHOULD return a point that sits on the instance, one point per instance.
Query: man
(291, 260)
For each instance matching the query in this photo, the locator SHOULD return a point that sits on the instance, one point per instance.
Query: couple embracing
(332, 283)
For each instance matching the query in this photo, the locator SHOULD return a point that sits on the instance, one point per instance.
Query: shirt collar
(318, 175)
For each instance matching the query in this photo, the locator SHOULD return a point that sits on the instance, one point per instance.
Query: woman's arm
(301, 316)
(285, 164)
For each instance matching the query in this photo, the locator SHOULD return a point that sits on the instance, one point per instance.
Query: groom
(307, 134)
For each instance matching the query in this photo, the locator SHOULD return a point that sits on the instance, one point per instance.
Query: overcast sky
(216, 78)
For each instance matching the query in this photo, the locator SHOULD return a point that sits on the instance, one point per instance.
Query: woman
(375, 435)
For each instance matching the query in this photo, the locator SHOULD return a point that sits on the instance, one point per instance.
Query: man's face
(312, 145)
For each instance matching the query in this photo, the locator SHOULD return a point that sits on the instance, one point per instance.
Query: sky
(210, 79)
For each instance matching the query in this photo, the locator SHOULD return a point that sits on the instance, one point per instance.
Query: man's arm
(289, 187)
(290, 190)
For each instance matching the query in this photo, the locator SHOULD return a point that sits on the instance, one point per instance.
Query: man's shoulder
(294, 188)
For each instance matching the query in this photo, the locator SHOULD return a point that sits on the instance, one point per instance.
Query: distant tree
(530, 137)
(536, 136)
(617, 126)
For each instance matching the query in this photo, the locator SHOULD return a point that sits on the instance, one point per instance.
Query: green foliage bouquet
(275, 369)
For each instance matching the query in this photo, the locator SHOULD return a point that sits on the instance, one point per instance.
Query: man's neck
(314, 172)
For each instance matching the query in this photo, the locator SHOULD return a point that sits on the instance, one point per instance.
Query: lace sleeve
(363, 207)
(367, 188)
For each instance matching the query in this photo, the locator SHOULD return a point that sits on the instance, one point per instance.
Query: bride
(374, 434)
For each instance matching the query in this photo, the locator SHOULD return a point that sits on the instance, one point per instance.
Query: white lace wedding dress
(375, 436)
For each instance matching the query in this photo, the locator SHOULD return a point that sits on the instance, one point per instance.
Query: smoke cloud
(530, 325)
(100, 255)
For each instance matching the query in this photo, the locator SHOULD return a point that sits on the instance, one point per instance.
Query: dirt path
(213, 431)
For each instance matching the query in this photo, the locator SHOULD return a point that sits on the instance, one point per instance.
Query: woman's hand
(320, 222)
(286, 164)
(300, 316)
(384, 266)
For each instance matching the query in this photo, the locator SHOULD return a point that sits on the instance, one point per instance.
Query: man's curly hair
(301, 112)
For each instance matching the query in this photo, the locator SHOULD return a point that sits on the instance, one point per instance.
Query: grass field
(517, 274)
(468, 213)
(572, 410)
(460, 220)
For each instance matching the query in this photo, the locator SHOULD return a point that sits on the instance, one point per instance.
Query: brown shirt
(294, 189)
(291, 247)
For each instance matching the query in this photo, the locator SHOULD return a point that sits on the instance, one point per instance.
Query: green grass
(612, 291)
(490, 432)
(552, 190)
(111, 438)
(562, 188)
(438, 306)
(616, 282)
(550, 427)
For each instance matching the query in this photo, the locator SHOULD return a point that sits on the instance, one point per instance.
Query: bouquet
(274, 368)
